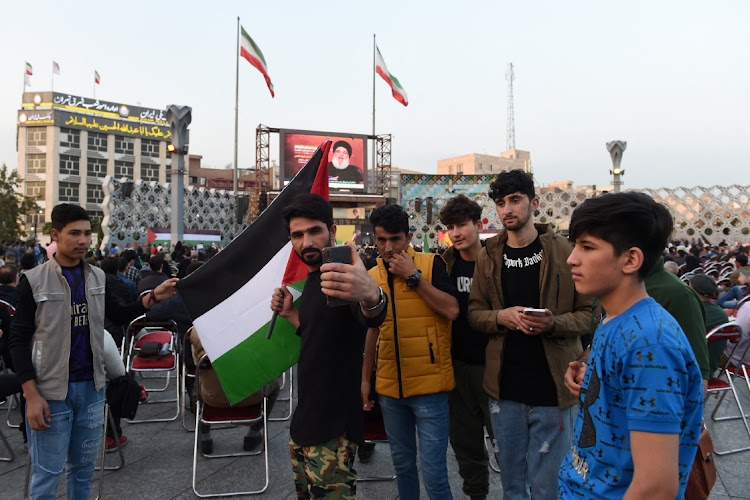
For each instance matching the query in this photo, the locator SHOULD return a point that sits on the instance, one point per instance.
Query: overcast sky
(669, 77)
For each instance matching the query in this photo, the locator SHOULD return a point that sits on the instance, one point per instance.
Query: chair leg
(742, 416)
(288, 398)
(490, 446)
(10, 450)
(13, 403)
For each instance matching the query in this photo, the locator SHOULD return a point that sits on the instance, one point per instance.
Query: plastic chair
(213, 416)
(102, 468)
(164, 333)
(731, 332)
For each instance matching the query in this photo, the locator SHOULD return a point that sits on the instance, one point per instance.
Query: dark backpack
(123, 394)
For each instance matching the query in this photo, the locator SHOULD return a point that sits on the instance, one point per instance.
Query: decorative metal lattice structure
(131, 208)
(717, 213)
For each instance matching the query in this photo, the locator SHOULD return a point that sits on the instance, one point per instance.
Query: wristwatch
(413, 280)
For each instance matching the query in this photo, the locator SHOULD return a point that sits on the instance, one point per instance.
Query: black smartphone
(341, 254)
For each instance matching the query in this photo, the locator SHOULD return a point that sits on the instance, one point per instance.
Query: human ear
(632, 260)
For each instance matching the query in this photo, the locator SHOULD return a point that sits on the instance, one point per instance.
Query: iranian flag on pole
(29, 69)
(97, 78)
(252, 53)
(398, 91)
(229, 297)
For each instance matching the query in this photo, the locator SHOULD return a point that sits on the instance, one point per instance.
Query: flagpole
(236, 105)
(52, 86)
(374, 140)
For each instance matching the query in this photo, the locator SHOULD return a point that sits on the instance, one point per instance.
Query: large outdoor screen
(347, 161)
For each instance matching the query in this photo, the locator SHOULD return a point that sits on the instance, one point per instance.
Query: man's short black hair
(392, 218)
(513, 181)
(110, 265)
(129, 255)
(741, 259)
(8, 274)
(27, 261)
(459, 209)
(311, 206)
(625, 220)
(123, 264)
(157, 263)
(65, 213)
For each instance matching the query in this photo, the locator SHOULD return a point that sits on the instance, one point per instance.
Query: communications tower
(511, 125)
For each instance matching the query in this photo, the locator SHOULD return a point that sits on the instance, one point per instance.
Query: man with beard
(339, 169)
(523, 267)
(328, 422)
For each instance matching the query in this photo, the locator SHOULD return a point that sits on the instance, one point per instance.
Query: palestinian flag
(29, 69)
(398, 91)
(229, 297)
(254, 56)
(97, 78)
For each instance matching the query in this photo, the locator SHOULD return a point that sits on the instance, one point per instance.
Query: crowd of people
(584, 357)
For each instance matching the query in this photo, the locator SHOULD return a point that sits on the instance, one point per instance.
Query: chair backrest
(730, 331)
(10, 308)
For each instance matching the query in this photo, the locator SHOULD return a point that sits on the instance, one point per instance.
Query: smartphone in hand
(530, 311)
(341, 254)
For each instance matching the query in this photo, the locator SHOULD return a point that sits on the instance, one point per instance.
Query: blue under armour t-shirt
(81, 365)
(642, 376)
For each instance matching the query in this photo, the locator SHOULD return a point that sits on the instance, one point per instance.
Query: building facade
(478, 164)
(67, 144)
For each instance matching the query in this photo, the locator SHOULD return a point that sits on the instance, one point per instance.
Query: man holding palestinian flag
(224, 298)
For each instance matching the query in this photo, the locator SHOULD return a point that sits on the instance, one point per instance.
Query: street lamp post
(616, 148)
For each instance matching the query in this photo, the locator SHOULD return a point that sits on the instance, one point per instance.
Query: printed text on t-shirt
(535, 258)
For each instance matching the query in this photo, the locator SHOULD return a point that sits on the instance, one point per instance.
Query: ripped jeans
(74, 435)
(425, 416)
(532, 443)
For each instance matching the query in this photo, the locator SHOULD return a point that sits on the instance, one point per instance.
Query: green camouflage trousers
(325, 470)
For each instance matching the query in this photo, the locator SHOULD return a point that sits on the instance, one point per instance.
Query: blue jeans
(74, 434)
(532, 442)
(729, 299)
(429, 414)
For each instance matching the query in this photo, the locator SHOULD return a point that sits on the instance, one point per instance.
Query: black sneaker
(365, 452)
(252, 442)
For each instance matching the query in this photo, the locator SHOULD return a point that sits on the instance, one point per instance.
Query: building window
(70, 138)
(203, 181)
(69, 192)
(94, 193)
(97, 142)
(97, 167)
(70, 165)
(36, 164)
(36, 136)
(123, 169)
(460, 170)
(149, 172)
(149, 148)
(479, 167)
(192, 180)
(124, 145)
(34, 189)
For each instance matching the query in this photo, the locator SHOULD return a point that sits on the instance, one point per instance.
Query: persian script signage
(66, 110)
(96, 124)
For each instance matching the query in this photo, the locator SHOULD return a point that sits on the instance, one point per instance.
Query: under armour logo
(650, 356)
(671, 381)
(616, 438)
(628, 380)
(645, 401)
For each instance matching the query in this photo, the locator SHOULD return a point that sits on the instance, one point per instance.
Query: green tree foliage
(13, 205)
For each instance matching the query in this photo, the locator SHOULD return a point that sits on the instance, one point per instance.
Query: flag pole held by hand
(271, 324)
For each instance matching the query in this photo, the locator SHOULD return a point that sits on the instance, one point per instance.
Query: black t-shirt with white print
(525, 375)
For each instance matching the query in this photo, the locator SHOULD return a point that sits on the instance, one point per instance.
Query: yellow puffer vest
(414, 357)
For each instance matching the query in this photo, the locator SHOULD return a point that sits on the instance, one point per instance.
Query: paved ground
(158, 462)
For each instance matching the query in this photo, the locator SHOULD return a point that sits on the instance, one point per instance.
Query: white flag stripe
(249, 309)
